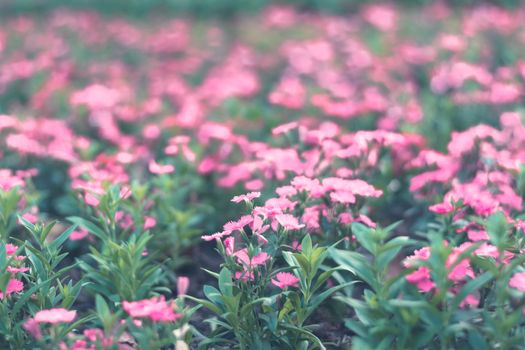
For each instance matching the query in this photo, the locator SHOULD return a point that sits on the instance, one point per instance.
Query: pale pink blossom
(248, 197)
(289, 222)
(518, 281)
(159, 169)
(183, 284)
(149, 222)
(53, 316)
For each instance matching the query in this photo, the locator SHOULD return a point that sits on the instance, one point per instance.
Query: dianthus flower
(518, 281)
(54, 316)
(156, 309)
(159, 169)
(246, 197)
(285, 279)
(13, 286)
(288, 222)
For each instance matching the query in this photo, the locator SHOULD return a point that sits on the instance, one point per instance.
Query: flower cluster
(350, 172)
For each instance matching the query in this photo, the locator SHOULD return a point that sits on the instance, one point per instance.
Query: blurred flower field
(275, 179)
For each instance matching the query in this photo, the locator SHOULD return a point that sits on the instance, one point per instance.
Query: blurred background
(207, 8)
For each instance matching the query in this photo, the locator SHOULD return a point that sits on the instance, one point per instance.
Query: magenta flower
(285, 279)
(442, 208)
(13, 286)
(55, 316)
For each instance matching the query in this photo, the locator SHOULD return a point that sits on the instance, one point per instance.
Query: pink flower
(518, 281)
(156, 309)
(159, 169)
(285, 279)
(149, 222)
(13, 270)
(232, 226)
(246, 197)
(216, 235)
(421, 278)
(366, 220)
(151, 131)
(96, 335)
(381, 16)
(254, 185)
(243, 258)
(91, 199)
(229, 245)
(477, 235)
(471, 300)
(183, 284)
(441, 208)
(78, 234)
(288, 222)
(33, 328)
(284, 128)
(463, 268)
(345, 197)
(54, 316)
(13, 286)
(10, 249)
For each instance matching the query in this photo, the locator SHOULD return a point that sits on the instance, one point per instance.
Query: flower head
(246, 197)
(285, 279)
(518, 281)
(156, 309)
(13, 286)
(54, 316)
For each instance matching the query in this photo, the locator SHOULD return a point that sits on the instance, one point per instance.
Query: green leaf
(306, 245)
(356, 264)
(3, 256)
(287, 307)
(249, 307)
(470, 287)
(388, 251)
(101, 307)
(212, 294)
(497, 228)
(318, 299)
(484, 263)
(306, 333)
(363, 235)
(210, 306)
(225, 282)
(322, 278)
(27, 224)
(25, 297)
(89, 226)
(62, 238)
(476, 340)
